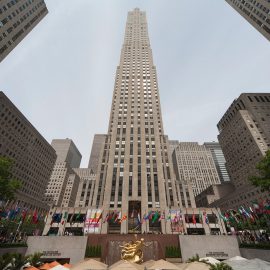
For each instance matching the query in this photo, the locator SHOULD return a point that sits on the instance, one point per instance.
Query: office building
(257, 13)
(67, 151)
(194, 165)
(86, 187)
(136, 172)
(219, 160)
(33, 156)
(17, 19)
(244, 136)
(64, 182)
(96, 151)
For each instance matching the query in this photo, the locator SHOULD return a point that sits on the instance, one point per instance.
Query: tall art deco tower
(135, 173)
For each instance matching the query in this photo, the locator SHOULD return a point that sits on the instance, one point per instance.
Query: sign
(217, 254)
(51, 253)
(92, 221)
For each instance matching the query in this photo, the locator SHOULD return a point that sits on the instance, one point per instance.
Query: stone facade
(33, 156)
(17, 19)
(244, 136)
(219, 160)
(64, 182)
(195, 166)
(135, 169)
(86, 187)
(96, 152)
(214, 193)
(257, 13)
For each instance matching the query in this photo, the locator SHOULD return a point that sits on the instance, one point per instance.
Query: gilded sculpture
(132, 251)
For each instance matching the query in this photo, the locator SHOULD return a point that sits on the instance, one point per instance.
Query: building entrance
(134, 217)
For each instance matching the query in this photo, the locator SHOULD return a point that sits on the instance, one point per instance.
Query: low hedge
(172, 252)
(254, 245)
(12, 245)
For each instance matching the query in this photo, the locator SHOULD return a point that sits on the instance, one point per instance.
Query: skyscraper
(96, 151)
(33, 156)
(244, 136)
(257, 13)
(219, 160)
(17, 19)
(195, 166)
(136, 173)
(64, 182)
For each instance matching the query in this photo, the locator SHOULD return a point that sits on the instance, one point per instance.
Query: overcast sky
(61, 76)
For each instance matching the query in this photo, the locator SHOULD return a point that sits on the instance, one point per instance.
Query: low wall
(58, 247)
(155, 250)
(221, 247)
(252, 253)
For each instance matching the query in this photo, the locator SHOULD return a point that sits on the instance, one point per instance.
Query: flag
(162, 216)
(132, 214)
(106, 218)
(169, 215)
(65, 218)
(99, 217)
(139, 218)
(200, 216)
(78, 216)
(193, 219)
(35, 217)
(24, 213)
(206, 220)
(123, 218)
(155, 217)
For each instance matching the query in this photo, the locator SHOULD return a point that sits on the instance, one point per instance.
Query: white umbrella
(89, 265)
(210, 260)
(59, 267)
(163, 265)
(125, 265)
(236, 258)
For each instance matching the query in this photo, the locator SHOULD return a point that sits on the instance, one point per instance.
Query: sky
(61, 76)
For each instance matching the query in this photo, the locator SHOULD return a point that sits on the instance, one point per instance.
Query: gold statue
(132, 251)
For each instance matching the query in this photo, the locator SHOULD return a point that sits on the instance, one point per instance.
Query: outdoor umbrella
(45, 266)
(59, 267)
(164, 265)
(125, 265)
(89, 264)
(194, 266)
(210, 260)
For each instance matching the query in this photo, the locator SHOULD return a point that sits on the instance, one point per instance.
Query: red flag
(35, 217)
(193, 219)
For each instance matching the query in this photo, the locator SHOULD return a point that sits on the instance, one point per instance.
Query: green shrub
(93, 252)
(172, 252)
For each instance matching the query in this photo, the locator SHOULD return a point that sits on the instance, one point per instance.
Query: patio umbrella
(148, 263)
(210, 260)
(67, 265)
(163, 265)
(194, 266)
(125, 265)
(45, 266)
(59, 267)
(89, 264)
(53, 264)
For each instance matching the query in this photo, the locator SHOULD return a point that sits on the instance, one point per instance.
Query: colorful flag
(193, 219)
(35, 217)
(123, 218)
(155, 217)
(65, 218)
(200, 216)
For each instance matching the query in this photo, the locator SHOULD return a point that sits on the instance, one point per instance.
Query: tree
(262, 180)
(220, 266)
(8, 184)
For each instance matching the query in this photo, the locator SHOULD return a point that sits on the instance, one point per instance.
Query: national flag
(35, 217)
(139, 218)
(206, 220)
(65, 218)
(200, 216)
(106, 218)
(99, 217)
(155, 217)
(169, 215)
(162, 216)
(132, 213)
(123, 218)
(24, 213)
(193, 219)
